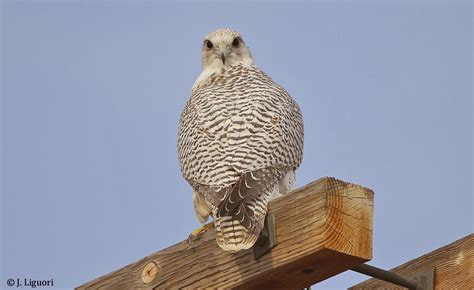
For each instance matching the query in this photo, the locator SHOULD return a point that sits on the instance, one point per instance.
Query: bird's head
(224, 47)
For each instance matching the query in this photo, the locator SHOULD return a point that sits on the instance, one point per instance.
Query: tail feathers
(233, 236)
(240, 217)
(239, 229)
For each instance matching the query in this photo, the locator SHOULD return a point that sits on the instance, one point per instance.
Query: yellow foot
(199, 231)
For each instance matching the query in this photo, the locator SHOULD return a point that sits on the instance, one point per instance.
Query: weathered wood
(323, 229)
(453, 265)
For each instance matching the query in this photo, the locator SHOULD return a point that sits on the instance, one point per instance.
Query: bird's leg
(202, 229)
(199, 231)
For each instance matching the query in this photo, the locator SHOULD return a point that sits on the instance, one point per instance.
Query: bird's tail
(239, 230)
(241, 216)
(232, 236)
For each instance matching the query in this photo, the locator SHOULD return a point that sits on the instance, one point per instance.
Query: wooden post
(323, 229)
(453, 266)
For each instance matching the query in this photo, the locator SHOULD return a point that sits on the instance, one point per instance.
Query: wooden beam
(323, 229)
(453, 265)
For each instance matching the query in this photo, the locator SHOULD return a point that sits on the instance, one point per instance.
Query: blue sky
(91, 97)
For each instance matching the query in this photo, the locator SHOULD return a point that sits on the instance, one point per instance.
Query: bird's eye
(236, 42)
(208, 44)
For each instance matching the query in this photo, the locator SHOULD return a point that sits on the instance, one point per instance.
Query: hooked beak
(223, 58)
(224, 52)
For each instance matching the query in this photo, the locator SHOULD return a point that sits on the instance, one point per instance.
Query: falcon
(240, 140)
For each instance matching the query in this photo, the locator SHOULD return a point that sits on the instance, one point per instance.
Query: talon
(199, 232)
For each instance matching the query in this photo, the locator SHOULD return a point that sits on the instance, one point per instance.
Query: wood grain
(453, 267)
(323, 229)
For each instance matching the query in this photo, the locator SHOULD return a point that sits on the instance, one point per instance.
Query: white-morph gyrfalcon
(240, 141)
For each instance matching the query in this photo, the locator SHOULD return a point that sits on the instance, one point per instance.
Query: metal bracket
(423, 280)
(267, 238)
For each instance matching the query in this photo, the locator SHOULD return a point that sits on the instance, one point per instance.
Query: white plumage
(240, 141)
